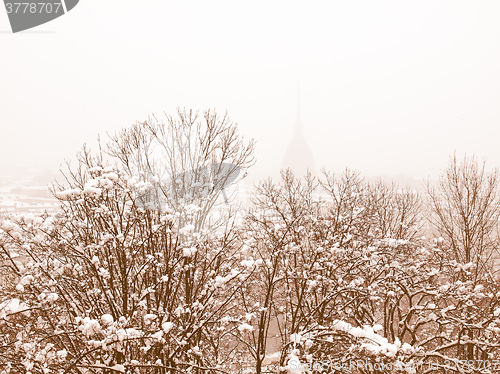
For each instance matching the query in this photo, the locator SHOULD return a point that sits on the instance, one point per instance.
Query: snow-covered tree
(466, 212)
(111, 284)
(184, 159)
(341, 283)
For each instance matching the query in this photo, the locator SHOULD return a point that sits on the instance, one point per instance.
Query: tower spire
(298, 123)
(298, 156)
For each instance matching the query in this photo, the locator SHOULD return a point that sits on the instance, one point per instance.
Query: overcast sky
(387, 87)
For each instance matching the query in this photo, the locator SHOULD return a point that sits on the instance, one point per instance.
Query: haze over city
(166, 247)
(387, 88)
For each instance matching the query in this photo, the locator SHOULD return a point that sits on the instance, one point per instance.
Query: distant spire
(298, 156)
(298, 132)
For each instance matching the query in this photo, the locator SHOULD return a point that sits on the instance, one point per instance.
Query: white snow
(119, 368)
(107, 319)
(69, 194)
(245, 327)
(189, 252)
(375, 344)
(148, 318)
(11, 306)
(167, 326)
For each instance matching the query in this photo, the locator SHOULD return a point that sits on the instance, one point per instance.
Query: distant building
(298, 156)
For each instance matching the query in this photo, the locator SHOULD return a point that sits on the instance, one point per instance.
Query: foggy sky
(386, 87)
